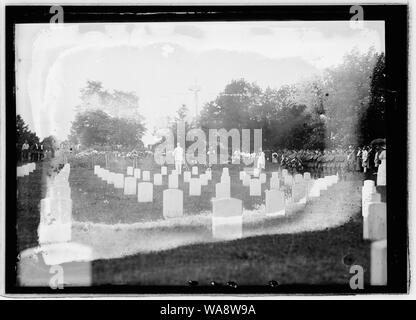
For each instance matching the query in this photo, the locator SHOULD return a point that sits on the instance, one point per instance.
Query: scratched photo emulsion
(200, 154)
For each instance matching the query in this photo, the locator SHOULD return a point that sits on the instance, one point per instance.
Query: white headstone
(175, 172)
(194, 170)
(146, 175)
(288, 180)
(130, 171)
(371, 197)
(225, 171)
(298, 178)
(145, 192)
(313, 189)
(369, 183)
(96, 168)
(255, 187)
(322, 183)
(204, 179)
(157, 179)
(186, 176)
(222, 190)
(306, 176)
(194, 187)
(376, 221)
(246, 180)
(256, 172)
(242, 174)
(173, 181)
(275, 203)
(225, 179)
(111, 177)
(164, 170)
(274, 183)
(119, 181)
(172, 203)
(284, 172)
(263, 178)
(378, 276)
(329, 181)
(227, 218)
(299, 192)
(275, 174)
(130, 186)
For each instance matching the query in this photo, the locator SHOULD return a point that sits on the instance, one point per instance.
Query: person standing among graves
(178, 157)
(25, 151)
(364, 159)
(381, 172)
(261, 160)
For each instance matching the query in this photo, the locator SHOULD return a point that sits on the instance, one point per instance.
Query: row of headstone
(227, 220)
(25, 169)
(374, 214)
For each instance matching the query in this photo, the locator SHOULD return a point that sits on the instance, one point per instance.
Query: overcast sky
(161, 61)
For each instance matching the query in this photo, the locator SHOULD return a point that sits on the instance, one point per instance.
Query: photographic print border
(396, 48)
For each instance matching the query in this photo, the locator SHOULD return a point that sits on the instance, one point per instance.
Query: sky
(160, 62)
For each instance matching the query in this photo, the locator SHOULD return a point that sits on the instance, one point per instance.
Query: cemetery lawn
(321, 257)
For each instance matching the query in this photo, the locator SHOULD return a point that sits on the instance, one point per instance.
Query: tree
(347, 90)
(50, 143)
(96, 127)
(23, 133)
(373, 123)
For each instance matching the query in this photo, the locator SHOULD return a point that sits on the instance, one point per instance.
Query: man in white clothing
(178, 157)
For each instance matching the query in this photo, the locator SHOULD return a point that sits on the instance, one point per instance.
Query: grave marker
(146, 175)
(194, 187)
(145, 192)
(255, 187)
(275, 203)
(157, 179)
(378, 276)
(227, 218)
(137, 173)
(172, 203)
(376, 221)
(222, 190)
(130, 186)
(173, 182)
(186, 176)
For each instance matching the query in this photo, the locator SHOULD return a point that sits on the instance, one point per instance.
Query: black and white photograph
(221, 149)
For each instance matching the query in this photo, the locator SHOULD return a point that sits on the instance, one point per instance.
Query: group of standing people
(34, 152)
(368, 159)
(372, 160)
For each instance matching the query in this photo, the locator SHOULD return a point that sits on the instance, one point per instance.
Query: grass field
(317, 257)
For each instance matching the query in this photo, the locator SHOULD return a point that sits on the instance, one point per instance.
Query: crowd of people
(31, 152)
(366, 159)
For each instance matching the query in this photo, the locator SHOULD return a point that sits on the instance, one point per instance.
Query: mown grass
(322, 257)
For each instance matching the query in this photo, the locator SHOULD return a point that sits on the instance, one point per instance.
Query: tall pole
(195, 89)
